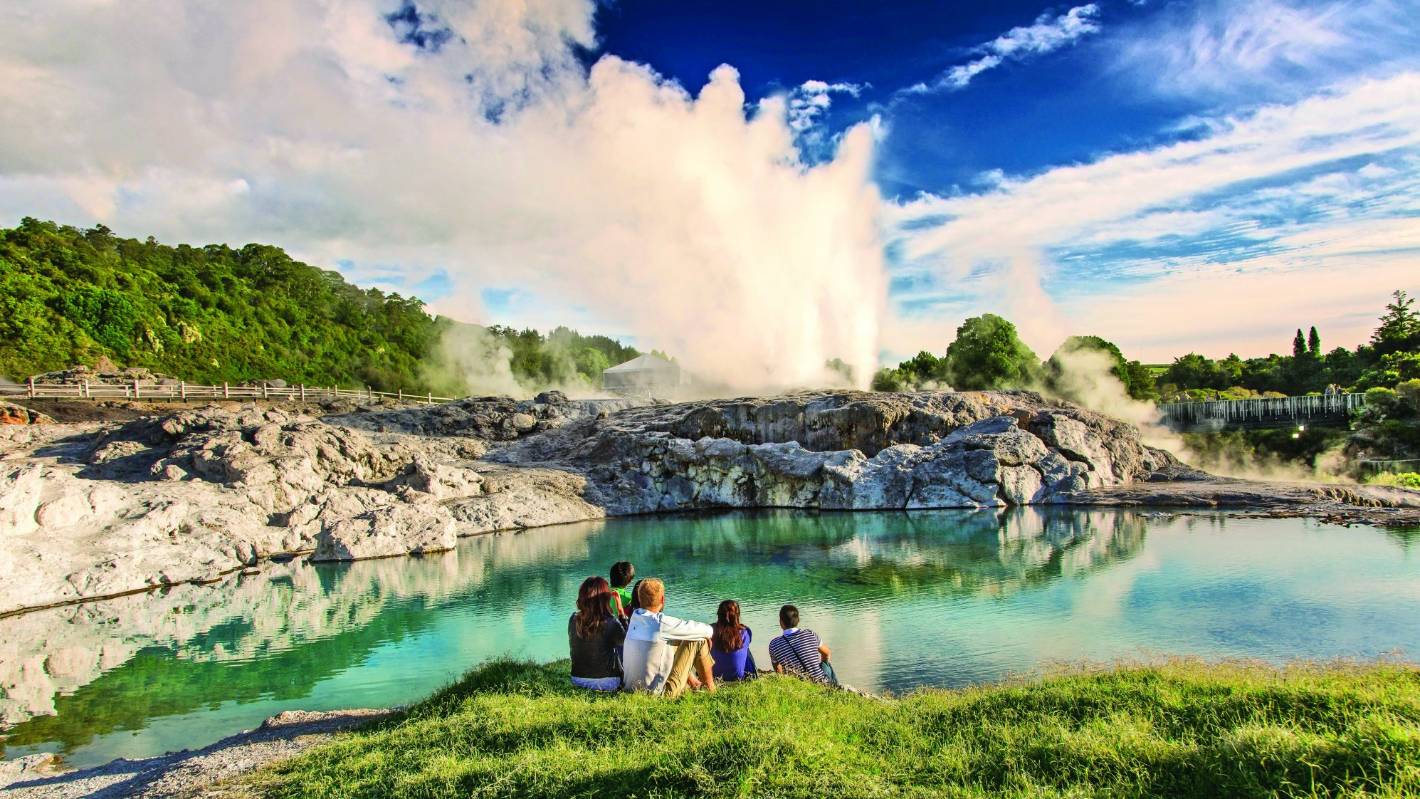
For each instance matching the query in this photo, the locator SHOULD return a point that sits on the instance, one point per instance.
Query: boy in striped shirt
(798, 651)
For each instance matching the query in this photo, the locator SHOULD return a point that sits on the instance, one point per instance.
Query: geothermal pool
(904, 599)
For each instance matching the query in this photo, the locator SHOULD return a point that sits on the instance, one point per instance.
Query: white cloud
(1299, 184)
(1240, 47)
(495, 158)
(811, 99)
(1046, 35)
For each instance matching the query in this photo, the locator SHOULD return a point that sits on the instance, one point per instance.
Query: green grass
(1176, 729)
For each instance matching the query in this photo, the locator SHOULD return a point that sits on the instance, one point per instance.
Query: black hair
(635, 597)
(622, 573)
(789, 617)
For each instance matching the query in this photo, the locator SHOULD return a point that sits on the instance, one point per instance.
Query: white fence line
(144, 390)
(1261, 409)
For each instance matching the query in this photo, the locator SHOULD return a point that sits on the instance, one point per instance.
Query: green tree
(988, 354)
(1314, 343)
(1399, 327)
(214, 313)
(1299, 345)
(924, 368)
(1138, 380)
(841, 368)
(888, 380)
(1194, 371)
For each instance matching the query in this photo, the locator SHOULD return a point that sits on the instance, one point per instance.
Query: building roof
(643, 363)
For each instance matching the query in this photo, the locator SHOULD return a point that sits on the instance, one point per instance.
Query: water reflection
(904, 598)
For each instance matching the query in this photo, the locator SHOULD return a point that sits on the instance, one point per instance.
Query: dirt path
(187, 774)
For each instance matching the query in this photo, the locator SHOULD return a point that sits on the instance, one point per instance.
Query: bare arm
(824, 652)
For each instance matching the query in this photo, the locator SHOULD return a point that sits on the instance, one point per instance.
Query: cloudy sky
(756, 186)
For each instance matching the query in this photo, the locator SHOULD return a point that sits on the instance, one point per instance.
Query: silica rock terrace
(96, 510)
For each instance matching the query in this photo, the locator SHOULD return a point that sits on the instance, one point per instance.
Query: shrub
(1398, 480)
(1409, 394)
(1382, 401)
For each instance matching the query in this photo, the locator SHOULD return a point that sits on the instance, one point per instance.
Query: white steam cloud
(462, 137)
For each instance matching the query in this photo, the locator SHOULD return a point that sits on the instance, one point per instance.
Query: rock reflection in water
(904, 598)
(270, 620)
(297, 623)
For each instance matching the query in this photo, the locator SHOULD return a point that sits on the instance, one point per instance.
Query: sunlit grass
(1176, 729)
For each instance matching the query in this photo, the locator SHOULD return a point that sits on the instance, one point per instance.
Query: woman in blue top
(729, 646)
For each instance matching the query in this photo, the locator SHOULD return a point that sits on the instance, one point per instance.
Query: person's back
(729, 646)
(594, 636)
(798, 651)
(660, 650)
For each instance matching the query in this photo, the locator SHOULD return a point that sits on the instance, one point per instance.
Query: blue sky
(1019, 118)
(758, 186)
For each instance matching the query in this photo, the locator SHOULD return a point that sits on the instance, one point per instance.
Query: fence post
(431, 398)
(182, 390)
(84, 390)
(401, 394)
(137, 392)
(303, 392)
(31, 382)
(226, 391)
(264, 393)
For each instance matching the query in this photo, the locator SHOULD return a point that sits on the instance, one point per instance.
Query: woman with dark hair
(729, 646)
(595, 635)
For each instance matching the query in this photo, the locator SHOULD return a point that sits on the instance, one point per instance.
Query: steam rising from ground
(456, 137)
(1086, 377)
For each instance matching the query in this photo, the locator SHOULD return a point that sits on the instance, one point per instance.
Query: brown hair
(649, 592)
(622, 573)
(789, 617)
(729, 633)
(593, 606)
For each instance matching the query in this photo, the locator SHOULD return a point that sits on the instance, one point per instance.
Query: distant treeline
(987, 353)
(214, 313)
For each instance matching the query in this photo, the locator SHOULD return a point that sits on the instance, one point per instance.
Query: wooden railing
(148, 390)
(1262, 412)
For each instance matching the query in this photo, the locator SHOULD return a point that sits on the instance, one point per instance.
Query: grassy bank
(1179, 729)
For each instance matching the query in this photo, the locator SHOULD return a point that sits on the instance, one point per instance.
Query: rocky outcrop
(847, 450)
(103, 509)
(193, 495)
(12, 414)
(105, 372)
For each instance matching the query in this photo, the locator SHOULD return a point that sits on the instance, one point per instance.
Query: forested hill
(213, 313)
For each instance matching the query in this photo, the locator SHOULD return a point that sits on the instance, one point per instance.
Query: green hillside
(1178, 729)
(214, 313)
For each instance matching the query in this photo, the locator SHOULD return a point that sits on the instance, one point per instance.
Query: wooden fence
(1262, 412)
(180, 391)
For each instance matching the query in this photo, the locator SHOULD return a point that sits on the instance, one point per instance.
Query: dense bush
(214, 313)
(1398, 479)
(988, 354)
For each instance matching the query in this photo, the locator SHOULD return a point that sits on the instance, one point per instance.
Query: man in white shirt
(661, 650)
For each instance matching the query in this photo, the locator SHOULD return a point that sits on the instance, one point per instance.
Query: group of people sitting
(622, 639)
